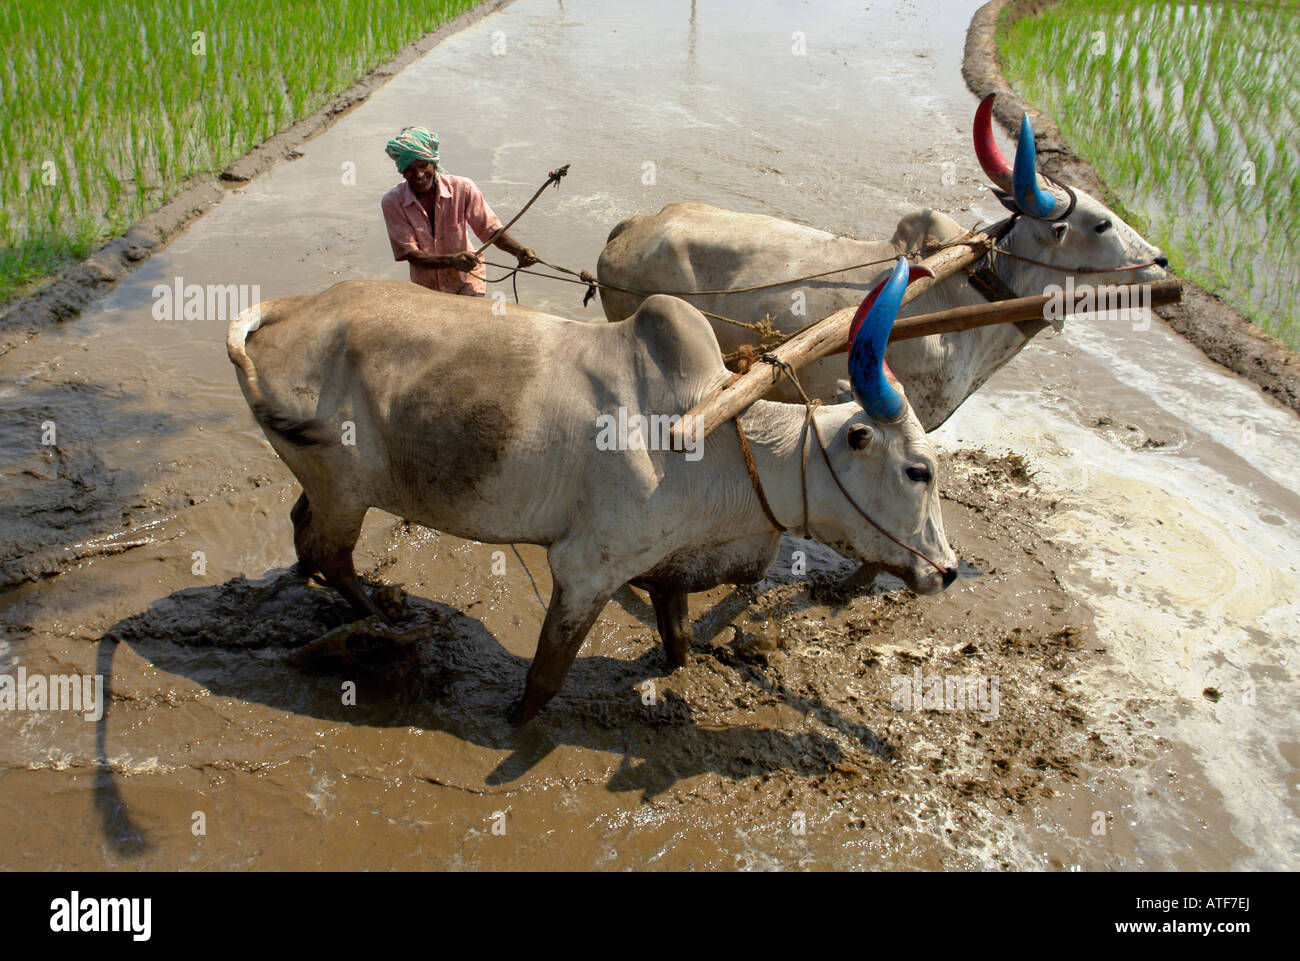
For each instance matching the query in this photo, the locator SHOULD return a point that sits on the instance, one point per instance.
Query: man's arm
(465, 261)
(527, 256)
(485, 223)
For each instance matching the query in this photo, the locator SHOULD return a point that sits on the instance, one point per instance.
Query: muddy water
(1132, 512)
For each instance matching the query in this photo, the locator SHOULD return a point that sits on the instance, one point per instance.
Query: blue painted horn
(1030, 196)
(871, 388)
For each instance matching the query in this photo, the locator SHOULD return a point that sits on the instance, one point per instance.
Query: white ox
(689, 247)
(488, 427)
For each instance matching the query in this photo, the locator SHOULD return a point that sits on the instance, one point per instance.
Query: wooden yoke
(820, 340)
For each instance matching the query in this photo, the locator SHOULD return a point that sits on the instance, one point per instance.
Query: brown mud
(779, 744)
(1223, 333)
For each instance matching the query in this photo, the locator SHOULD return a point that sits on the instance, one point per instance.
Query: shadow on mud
(61, 495)
(293, 646)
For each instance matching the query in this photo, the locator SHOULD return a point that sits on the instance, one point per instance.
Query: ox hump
(677, 335)
(926, 228)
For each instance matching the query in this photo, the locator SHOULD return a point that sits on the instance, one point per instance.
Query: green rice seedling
(143, 113)
(1193, 123)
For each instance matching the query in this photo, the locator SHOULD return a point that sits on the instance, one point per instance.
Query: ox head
(1063, 228)
(882, 504)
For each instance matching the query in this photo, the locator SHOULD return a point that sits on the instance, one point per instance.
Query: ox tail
(297, 430)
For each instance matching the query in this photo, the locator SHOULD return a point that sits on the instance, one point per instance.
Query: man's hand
(525, 255)
(464, 262)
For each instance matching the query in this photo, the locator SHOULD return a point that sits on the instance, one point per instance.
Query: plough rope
(763, 328)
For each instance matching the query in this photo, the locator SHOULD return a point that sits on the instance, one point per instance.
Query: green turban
(412, 144)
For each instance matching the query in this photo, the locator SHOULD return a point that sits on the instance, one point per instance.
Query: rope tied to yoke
(809, 407)
(810, 422)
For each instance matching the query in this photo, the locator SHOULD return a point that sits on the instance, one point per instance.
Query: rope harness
(769, 337)
(756, 480)
(586, 279)
(810, 421)
(987, 282)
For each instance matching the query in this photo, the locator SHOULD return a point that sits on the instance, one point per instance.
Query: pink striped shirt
(459, 205)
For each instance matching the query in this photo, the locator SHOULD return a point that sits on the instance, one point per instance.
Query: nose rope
(998, 251)
(865, 516)
(809, 419)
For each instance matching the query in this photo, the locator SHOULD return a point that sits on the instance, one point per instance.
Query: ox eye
(1102, 227)
(921, 475)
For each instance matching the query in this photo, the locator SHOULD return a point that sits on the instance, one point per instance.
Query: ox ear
(860, 436)
(1032, 197)
(1006, 200)
(871, 326)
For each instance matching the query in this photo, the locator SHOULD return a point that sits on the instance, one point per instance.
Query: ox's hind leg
(324, 541)
(299, 514)
(673, 616)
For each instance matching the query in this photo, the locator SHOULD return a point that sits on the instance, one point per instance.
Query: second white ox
(488, 427)
(1058, 232)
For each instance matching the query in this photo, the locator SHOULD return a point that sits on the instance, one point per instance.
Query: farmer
(427, 215)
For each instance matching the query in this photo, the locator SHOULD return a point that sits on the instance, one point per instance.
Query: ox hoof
(522, 713)
(677, 659)
(303, 570)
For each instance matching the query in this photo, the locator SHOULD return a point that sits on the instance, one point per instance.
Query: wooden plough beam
(1157, 294)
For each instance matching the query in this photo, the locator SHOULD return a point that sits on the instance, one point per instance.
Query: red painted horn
(996, 167)
(913, 274)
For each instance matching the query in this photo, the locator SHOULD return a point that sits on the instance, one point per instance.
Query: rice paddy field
(108, 106)
(1191, 115)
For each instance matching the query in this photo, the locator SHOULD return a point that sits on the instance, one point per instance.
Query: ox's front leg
(673, 616)
(862, 578)
(568, 619)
